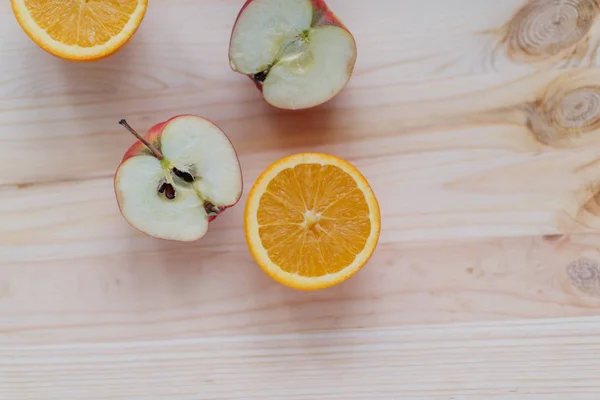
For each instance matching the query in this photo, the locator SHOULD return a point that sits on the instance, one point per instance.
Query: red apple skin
(322, 15)
(153, 136)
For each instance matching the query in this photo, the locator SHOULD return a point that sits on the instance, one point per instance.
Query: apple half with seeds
(296, 51)
(178, 178)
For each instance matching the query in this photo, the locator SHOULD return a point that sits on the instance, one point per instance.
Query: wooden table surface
(477, 122)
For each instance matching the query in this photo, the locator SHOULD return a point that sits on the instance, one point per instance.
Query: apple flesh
(178, 178)
(296, 51)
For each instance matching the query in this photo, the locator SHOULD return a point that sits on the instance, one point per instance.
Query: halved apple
(296, 51)
(178, 178)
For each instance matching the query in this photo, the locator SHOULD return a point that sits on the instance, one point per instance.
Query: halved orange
(80, 30)
(311, 221)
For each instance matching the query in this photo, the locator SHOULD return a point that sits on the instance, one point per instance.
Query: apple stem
(139, 137)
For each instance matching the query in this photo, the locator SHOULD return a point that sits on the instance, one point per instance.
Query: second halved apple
(178, 178)
(296, 51)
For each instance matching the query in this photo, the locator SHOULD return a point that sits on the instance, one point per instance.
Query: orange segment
(312, 221)
(80, 29)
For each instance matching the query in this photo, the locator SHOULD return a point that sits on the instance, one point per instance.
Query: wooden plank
(549, 359)
(72, 270)
(477, 124)
(435, 189)
(70, 110)
(489, 161)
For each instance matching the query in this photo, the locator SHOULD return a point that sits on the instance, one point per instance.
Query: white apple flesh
(178, 178)
(296, 51)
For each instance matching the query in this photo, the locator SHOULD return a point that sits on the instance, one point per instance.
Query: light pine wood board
(534, 359)
(477, 124)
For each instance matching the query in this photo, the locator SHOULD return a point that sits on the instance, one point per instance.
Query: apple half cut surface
(296, 51)
(178, 178)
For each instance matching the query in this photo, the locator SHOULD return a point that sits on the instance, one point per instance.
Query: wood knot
(569, 108)
(579, 110)
(584, 275)
(546, 28)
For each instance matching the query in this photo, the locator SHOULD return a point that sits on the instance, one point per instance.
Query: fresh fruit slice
(296, 51)
(177, 179)
(80, 30)
(311, 221)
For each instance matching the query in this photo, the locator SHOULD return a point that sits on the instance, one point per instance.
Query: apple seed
(186, 176)
(170, 191)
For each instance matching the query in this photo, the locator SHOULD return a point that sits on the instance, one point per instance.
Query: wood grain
(165, 72)
(477, 124)
(161, 294)
(534, 360)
